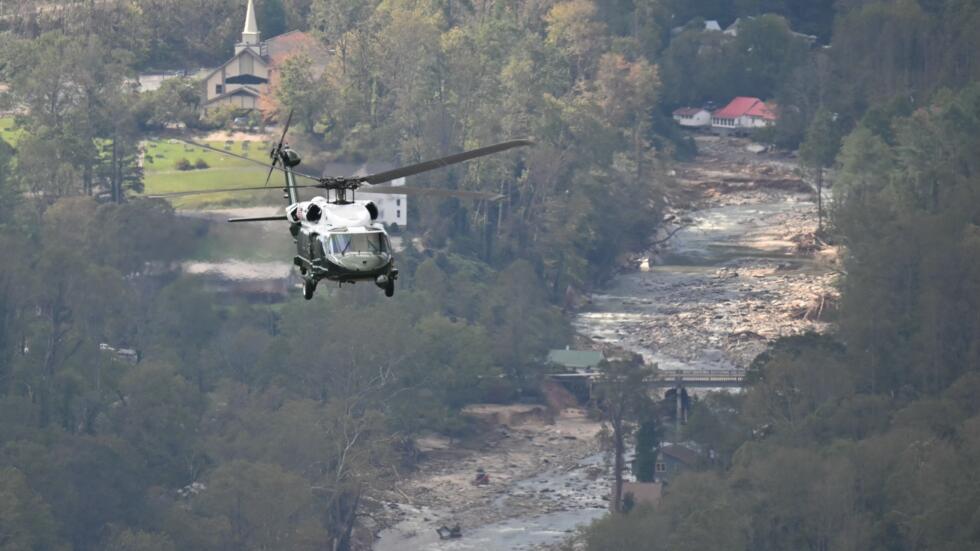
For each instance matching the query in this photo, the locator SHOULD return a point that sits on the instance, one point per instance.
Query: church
(248, 79)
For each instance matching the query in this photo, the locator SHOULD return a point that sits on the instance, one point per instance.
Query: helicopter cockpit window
(353, 243)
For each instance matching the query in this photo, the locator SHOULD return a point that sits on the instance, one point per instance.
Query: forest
(294, 415)
(864, 438)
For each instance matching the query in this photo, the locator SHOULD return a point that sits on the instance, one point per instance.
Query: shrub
(183, 164)
(201, 164)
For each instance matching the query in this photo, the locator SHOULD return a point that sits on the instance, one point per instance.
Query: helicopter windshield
(352, 243)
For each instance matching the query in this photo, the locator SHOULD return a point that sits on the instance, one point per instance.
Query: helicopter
(338, 237)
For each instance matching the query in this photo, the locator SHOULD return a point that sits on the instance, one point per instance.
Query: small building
(673, 459)
(575, 360)
(692, 117)
(126, 355)
(150, 82)
(733, 30)
(743, 113)
(248, 78)
(710, 25)
(392, 209)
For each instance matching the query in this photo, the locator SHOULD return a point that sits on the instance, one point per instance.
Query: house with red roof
(693, 117)
(743, 113)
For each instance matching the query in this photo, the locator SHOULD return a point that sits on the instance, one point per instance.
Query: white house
(743, 113)
(734, 28)
(392, 209)
(694, 117)
(711, 25)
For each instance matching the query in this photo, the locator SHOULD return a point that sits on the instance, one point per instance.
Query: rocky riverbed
(547, 476)
(742, 267)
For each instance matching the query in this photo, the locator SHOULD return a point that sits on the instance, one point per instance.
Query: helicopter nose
(363, 263)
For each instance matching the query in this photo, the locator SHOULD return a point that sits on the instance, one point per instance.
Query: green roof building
(575, 359)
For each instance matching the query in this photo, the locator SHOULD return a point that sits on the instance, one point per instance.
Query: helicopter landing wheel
(309, 287)
(390, 288)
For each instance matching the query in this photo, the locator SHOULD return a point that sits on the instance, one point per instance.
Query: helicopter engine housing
(311, 211)
(319, 210)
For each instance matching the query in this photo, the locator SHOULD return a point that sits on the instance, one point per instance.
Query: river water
(702, 288)
(573, 497)
(721, 273)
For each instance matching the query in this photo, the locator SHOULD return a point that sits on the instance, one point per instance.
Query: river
(728, 282)
(730, 273)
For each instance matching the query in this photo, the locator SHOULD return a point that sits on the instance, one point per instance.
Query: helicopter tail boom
(261, 219)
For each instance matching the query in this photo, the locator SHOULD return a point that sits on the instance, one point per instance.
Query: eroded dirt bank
(546, 477)
(742, 268)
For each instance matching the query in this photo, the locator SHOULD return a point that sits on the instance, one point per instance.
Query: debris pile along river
(731, 280)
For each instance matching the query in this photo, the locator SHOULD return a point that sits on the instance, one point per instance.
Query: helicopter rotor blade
(277, 149)
(285, 129)
(226, 190)
(268, 176)
(426, 166)
(244, 158)
(432, 192)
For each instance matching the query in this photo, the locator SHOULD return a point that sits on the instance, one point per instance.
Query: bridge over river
(674, 383)
(674, 378)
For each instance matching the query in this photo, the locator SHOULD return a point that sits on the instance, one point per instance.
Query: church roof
(286, 43)
(244, 90)
(745, 106)
(575, 359)
(284, 46)
(242, 52)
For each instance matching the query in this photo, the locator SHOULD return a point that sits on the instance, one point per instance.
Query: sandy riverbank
(542, 468)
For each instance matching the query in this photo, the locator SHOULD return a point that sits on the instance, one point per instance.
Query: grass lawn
(8, 132)
(162, 176)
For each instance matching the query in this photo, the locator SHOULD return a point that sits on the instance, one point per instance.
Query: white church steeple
(250, 35)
